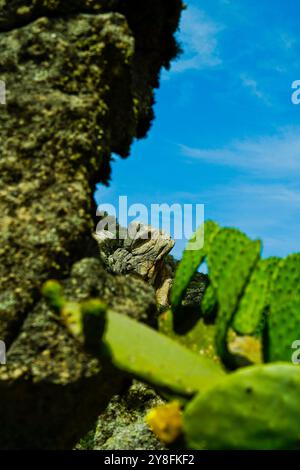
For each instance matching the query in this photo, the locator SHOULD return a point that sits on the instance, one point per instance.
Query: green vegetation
(139, 350)
(255, 300)
(155, 358)
(191, 260)
(284, 316)
(85, 321)
(250, 295)
(253, 408)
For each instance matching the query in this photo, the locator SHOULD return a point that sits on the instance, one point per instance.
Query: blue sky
(226, 133)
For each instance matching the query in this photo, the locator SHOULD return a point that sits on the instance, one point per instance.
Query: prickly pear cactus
(134, 347)
(255, 299)
(85, 321)
(155, 358)
(283, 321)
(191, 260)
(256, 408)
(231, 259)
(198, 337)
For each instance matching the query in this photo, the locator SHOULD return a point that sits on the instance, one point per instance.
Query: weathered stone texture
(79, 77)
(139, 249)
(122, 425)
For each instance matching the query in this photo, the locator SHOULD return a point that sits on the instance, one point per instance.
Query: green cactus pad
(191, 260)
(156, 359)
(283, 321)
(255, 299)
(209, 302)
(72, 318)
(256, 408)
(86, 322)
(199, 338)
(231, 259)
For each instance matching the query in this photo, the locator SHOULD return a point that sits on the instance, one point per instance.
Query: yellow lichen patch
(166, 421)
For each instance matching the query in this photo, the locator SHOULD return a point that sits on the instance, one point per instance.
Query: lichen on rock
(122, 425)
(79, 78)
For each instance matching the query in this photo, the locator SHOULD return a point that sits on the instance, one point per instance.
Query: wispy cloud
(288, 41)
(266, 210)
(199, 37)
(269, 211)
(267, 156)
(254, 88)
(272, 195)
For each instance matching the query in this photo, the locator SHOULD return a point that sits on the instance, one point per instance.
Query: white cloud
(261, 196)
(269, 211)
(199, 37)
(267, 156)
(254, 88)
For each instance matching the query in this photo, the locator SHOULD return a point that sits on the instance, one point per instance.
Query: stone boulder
(79, 85)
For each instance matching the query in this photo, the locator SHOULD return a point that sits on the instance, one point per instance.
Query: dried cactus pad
(284, 317)
(231, 260)
(256, 408)
(191, 260)
(255, 299)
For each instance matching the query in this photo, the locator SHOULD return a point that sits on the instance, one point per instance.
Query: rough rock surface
(139, 249)
(128, 295)
(54, 379)
(122, 425)
(79, 78)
